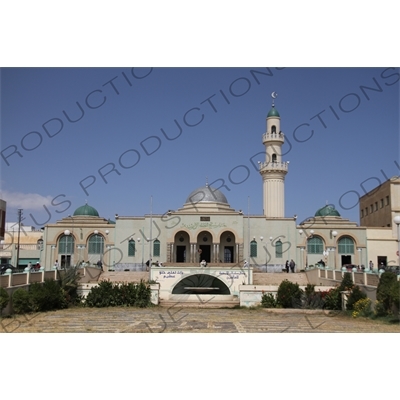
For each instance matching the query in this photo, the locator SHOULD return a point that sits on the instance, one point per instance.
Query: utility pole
(19, 234)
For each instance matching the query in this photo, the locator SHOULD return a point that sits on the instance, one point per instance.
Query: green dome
(327, 211)
(273, 112)
(86, 210)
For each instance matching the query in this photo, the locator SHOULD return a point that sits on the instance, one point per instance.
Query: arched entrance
(201, 284)
(204, 246)
(227, 252)
(182, 246)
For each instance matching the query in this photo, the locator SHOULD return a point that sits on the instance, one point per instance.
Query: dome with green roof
(87, 211)
(327, 211)
(273, 112)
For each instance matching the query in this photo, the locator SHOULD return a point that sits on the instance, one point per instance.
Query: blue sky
(354, 145)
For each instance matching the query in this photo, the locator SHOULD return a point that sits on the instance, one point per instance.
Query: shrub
(108, 294)
(362, 308)
(289, 295)
(21, 301)
(347, 282)
(333, 299)
(4, 299)
(387, 293)
(47, 296)
(268, 300)
(355, 295)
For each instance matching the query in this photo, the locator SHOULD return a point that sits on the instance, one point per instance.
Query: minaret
(273, 170)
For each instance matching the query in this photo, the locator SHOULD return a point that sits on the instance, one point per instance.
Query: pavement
(187, 320)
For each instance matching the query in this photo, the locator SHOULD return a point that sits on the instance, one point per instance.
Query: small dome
(273, 112)
(86, 210)
(327, 211)
(206, 194)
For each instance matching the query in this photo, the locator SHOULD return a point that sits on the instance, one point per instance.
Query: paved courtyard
(186, 320)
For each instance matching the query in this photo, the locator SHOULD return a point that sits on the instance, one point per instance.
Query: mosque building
(207, 229)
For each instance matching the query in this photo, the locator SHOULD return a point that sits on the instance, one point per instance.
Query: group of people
(290, 265)
(35, 267)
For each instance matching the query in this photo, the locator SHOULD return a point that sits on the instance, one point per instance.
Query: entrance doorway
(205, 253)
(180, 254)
(65, 261)
(228, 254)
(382, 260)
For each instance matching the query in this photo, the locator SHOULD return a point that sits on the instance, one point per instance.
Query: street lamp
(66, 233)
(334, 234)
(396, 220)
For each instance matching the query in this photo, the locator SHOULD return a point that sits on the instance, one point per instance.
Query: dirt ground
(187, 320)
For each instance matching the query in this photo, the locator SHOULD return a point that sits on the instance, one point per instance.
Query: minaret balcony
(273, 137)
(274, 167)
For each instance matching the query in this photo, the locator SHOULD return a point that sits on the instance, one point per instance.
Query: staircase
(275, 279)
(124, 276)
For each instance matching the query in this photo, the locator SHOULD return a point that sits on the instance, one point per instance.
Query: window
(156, 248)
(131, 248)
(278, 249)
(366, 211)
(66, 244)
(381, 203)
(362, 213)
(273, 129)
(376, 206)
(253, 248)
(315, 245)
(274, 157)
(371, 208)
(387, 200)
(346, 245)
(96, 244)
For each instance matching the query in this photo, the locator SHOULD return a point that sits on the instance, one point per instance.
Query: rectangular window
(362, 213)
(376, 206)
(371, 208)
(366, 210)
(131, 248)
(204, 218)
(387, 200)
(381, 203)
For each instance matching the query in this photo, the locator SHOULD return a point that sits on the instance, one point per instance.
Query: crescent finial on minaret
(274, 95)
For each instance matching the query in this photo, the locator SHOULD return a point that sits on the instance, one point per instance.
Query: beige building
(380, 205)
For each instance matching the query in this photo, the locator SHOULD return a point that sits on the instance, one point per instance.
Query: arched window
(96, 244)
(315, 245)
(253, 248)
(66, 244)
(156, 248)
(273, 129)
(278, 249)
(131, 248)
(274, 157)
(346, 245)
(40, 244)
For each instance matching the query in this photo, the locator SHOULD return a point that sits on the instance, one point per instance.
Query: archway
(204, 246)
(182, 246)
(201, 284)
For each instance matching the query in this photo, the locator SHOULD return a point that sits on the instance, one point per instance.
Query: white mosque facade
(207, 228)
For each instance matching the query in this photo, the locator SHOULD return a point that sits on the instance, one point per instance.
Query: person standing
(287, 266)
(371, 265)
(100, 264)
(292, 265)
(56, 264)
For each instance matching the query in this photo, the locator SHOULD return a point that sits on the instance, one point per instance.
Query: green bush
(355, 295)
(268, 300)
(4, 299)
(333, 299)
(108, 294)
(387, 293)
(21, 301)
(362, 308)
(289, 295)
(47, 296)
(347, 282)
